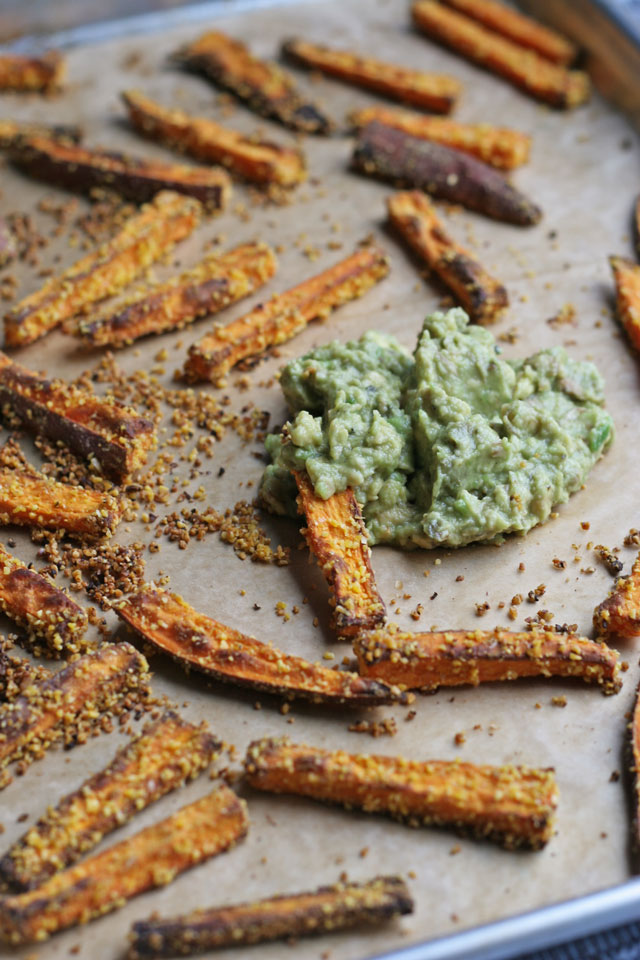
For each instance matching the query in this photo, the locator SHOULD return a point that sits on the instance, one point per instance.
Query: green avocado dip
(447, 447)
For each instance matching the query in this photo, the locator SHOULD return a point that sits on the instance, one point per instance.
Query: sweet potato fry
(292, 915)
(101, 429)
(626, 274)
(216, 282)
(481, 295)
(143, 240)
(337, 538)
(636, 226)
(200, 643)
(517, 27)
(431, 91)
(457, 657)
(511, 805)
(498, 146)
(168, 752)
(259, 161)
(149, 859)
(619, 614)
(263, 85)
(17, 674)
(12, 130)
(284, 315)
(523, 68)
(634, 766)
(72, 702)
(442, 172)
(8, 245)
(81, 169)
(42, 608)
(32, 74)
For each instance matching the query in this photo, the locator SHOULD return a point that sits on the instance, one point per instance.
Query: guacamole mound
(450, 446)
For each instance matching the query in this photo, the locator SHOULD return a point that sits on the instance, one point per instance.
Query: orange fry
(481, 295)
(12, 130)
(431, 91)
(284, 315)
(511, 805)
(619, 614)
(523, 68)
(626, 274)
(32, 74)
(337, 537)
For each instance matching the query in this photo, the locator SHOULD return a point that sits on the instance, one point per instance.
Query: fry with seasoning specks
(619, 614)
(512, 805)
(633, 753)
(12, 130)
(626, 275)
(22, 74)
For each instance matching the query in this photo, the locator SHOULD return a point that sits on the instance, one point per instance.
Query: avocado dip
(447, 447)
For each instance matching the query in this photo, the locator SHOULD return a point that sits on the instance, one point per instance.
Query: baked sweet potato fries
(431, 91)
(626, 275)
(215, 283)
(619, 614)
(143, 240)
(444, 173)
(12, 130)
(149, 859)
(284, 315)
(482, 296)
(324, 910)
(263, 85)
(32, 74)
(511, 805)
(253, 159)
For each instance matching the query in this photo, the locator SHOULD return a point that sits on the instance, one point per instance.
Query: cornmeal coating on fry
(215, 283)
(336, 536)
(519, 28)
(512, 805)
(431, 91)
(169, 752)
(291, 915)
(619, 614)
(41, 608)
(101, 429)
(456, 657)
(12, 130)
(263, 85)
(81, 169)
(523, 68)
(143, 240)
(626, 274)
(149, 859)
(498, 146)
(443, 173)
(482, 296)
(284, 315)
(200, 643)
(253, 159)
(68, 704)
(32, 74)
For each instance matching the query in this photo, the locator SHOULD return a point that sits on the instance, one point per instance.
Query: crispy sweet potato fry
(12, 130)
(8, 245)
(101, 429)
(263, 85)
(200, 643)
(431, 91)
(39, 606)
(292, 915)
(633, 752)
(70, 703)
(216, 282)
(80, 169)
(284, 315)
(619, 614)
(523, 68)
(498, 146)
(626, 274)
(481, 295)
(259, 161)
(511, 805)
(168, 752)
(517, 27)
(32, 74)
(337, 538)
(442, 172)
(456, 657)
(143, 240)
(149, 859)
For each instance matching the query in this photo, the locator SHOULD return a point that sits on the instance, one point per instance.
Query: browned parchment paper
(583, 172)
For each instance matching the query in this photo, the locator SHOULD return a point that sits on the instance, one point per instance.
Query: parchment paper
(583, 171)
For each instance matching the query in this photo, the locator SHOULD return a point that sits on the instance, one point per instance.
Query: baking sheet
(583, 172)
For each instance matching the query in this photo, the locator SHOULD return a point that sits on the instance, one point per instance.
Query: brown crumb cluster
(240, 527)
(106, 571)
(610, 560)
(632, 539)
(17, 674)
(375, 728)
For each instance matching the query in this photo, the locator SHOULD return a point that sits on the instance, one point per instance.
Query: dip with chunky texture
(447, 447)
